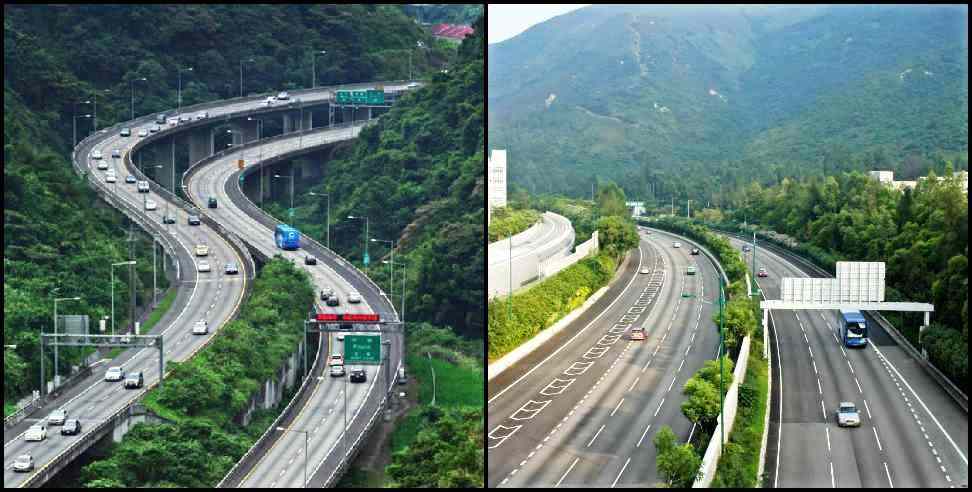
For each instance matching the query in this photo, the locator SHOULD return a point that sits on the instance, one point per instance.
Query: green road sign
(362, 349)
(343, 97)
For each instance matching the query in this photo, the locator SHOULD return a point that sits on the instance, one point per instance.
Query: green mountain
(683, 100)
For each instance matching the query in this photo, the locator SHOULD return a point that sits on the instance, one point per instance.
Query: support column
(308, 121)
(247, 130)
(369, 112)
(288, 123)
(201, 143)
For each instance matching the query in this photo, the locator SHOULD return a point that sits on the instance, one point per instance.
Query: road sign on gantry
(857, 281)
(362, 349)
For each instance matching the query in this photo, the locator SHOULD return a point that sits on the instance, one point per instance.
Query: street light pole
(113, 265)
(314, 68)
(365, 241)
(241, 74)
(133, 93)
(76, 127)
(180, 85)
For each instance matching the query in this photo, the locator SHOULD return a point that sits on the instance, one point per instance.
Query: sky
(508, 20)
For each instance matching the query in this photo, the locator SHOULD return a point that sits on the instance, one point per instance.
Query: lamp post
(94, 98)
(291, 178)
(56, 300)
(365, 241)
(180, 85)
(241, 74)
(391, 269)
(328, 196)
(113, 265)
(306, 436)
(259, 136)
(133, 93)
(76, 127)
(314, 67)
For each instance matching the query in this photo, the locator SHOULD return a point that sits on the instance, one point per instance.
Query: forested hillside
(433, 13)
(688, 101)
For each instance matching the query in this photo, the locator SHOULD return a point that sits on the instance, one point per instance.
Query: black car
(695, 251)
(212, 202)
(358, 376)
(168, 220)
(333, 300)
(310, 260)
(193, 220)
(71, 427)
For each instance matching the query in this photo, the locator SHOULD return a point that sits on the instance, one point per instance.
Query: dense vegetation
(740, 459)
(434, 13)
(202, 396)
(507, 222)
(57, 235)
(922, 235)
(417, 173)
(691, 102)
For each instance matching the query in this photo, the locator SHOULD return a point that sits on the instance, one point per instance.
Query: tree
(611, 201)
(677, 464)
(616, 235)
(702, 405)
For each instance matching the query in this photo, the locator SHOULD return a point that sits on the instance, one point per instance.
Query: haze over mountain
(650, 95)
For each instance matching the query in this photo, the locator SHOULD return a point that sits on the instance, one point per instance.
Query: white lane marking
(645, 433)
(622, 472)
(566, 472)
(595, 436)
(659, 407)
(617, 407)
(888, 472)
(827, 430)
(876, 438)
(833, 479)
(634, 383)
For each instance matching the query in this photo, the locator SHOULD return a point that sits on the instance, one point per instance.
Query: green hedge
(509, 222)
(546, 303)
(948, 350)
(740, 460)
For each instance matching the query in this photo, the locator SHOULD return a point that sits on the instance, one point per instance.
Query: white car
(24, 462)
(96, 154)
(116, 153)
(645, 270)
(201, 116)
(337, 370)
(111, 178)
(202, 250)
(143, 186)
(204, 266)
(173, 121)
(184, 118)
(143, 132)
(150, 205)
(283, 95)
(412, 85)
(270, 100)
(847, 415)
(102, 165)
(114, 374)
(354, 297)
(155, 128)
(37, 432)
(676, 245)
(57, 417)
(200, 328)
(336, 360)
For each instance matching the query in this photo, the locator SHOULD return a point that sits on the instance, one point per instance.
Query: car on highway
(695, 251)
(102, 165)
(645, 270)
(202, 250)
(212, 202)
(337, 370)
(340, 337)
(231, 268)
(130, 179)
(168, 220)
(160, 118)
(637, 334)
(310, 260)
(676, 244)
(151, 205)
(204, 266)
(36, 432)
(690, 270)
(270, 100)
(96, 154)
(57, 417)
(283, 95)
(336, 359)
(143, 186)
(333, 300)
(143, 132)
(202, 115)
(354, 297)
(155, 128)
(762, 273)
(745, 247)
(125, 132)
(358, 376)
(134, 380)
(192, 219)
(23, 463)
(412, 85)
(184, 118)
(116, 153)
(114, 374)
(847, 415)
(326, 292)
(200, 328)
(111, 178)
(402, 378)
(173, 121)
(71, 427)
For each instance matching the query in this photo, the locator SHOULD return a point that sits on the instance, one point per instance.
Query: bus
(286, 237)
(853, 328)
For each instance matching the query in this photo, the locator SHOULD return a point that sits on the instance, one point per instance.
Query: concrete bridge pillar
(201, 144)
(245, 130)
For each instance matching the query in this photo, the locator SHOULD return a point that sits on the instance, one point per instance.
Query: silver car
(24, 462)
(36, 432)
(337, 370)
(57, 417)
(114, 374)
(847, 415)
(354, 297)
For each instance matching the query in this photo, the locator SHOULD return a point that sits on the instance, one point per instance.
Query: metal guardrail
(951, 388)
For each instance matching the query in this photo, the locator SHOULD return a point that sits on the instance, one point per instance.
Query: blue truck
(286, 237)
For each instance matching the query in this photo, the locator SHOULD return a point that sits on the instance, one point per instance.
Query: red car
(762, 273)
(637, 334)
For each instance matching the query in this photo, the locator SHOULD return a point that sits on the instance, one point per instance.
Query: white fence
(555, 264)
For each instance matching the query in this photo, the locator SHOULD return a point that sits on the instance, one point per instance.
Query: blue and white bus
(853, 328)
(286, 237)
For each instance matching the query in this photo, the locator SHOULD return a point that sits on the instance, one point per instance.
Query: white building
(887, 178)
(496, 174)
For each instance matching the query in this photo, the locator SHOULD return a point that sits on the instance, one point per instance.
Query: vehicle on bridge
(24, 462)
(286, 237)
(852, 329)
